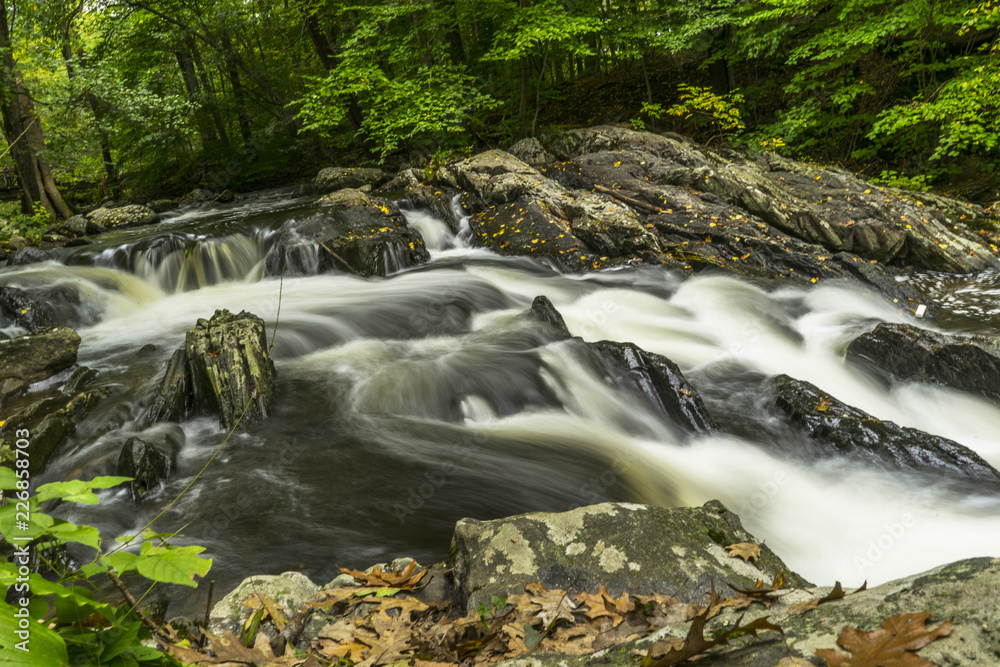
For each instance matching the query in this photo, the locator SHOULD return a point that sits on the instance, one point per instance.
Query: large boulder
(29, 255)
(224, 368)
(354, 233)
(620, 545)
(905, 353)
(339, 178)
(146, 464)
(34, 357)
(848, 431)
(131, 215)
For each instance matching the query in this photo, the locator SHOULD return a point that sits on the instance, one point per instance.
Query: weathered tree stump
(223, 368)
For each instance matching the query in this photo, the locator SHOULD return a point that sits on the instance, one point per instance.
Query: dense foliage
(163, 95)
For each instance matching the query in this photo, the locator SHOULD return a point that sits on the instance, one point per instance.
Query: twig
(208, 607)
(152, 627)
(635, 203)
(338, 257)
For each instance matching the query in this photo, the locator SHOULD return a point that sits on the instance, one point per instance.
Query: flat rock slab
(36, 356)
(641, 548)
(904, 353)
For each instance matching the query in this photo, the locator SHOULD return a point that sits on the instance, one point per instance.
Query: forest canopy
(138, 97)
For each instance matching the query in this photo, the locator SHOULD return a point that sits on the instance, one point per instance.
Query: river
(409, 402)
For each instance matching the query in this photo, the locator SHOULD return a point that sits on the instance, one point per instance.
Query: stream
(407, 403)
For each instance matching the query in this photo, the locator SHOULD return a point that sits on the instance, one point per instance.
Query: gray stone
(290, 589)
(642, 548)
(29, 255)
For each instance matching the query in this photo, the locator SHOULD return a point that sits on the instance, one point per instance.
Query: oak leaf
(556, 605)
(892, 645)
(744, 550)
(404, 578)
(603, 605)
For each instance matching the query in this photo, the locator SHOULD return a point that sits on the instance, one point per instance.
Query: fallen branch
(338, 257)
(634, 203)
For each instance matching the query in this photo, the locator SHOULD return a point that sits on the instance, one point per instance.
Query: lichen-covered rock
(904, 353)
(38, 355)
(620, 545)
(656, 379)
(339, 178)
(290, 590)
(131, 215)
(354, 233)
(849, 431)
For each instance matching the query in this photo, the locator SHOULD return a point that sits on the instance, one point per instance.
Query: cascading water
(409, 402)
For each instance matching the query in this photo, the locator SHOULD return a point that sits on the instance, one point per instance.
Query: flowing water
(409, 402)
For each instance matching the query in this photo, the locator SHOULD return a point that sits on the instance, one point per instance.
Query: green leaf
(8, 478)
(65, 531)
(121, 561)
(45, 647)
(78, 491)
(172, 565)
(38, 522)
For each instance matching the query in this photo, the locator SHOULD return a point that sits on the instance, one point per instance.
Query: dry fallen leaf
(404, 578)
(892, 645)
(555, 605)
(744, 550)
(603, 605)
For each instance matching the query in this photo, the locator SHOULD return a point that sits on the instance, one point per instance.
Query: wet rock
(642, 548)
(74, 227)
(224, 368)
(291, 590)
(50, 421)
(338, 178)
(655, 378)
(131, 215)
(29, 255)
(171, 402)
(145, 464)
(227, 196)
(40, 306)
(79, 379)
(198, 196)
(852, 432)
(543, 311)
(361, 235)
(904, 353)
(530, 151)
(36, 356)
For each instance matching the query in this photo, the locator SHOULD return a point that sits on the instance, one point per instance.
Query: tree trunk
(23, 131)
(238, 95)
(645, 76)
(95, 107)
(186, 65)
(206, 85)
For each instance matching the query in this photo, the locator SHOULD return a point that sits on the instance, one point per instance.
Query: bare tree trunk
(186, 65)
(23, 131)
(238, 94)
(209, 90)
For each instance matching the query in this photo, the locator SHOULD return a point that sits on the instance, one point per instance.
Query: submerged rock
(657, 379)
(224, 368)
(355, 233)
(641, 548)
(29, 255)
(145, 464)
(904, 353)
(853, 432)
